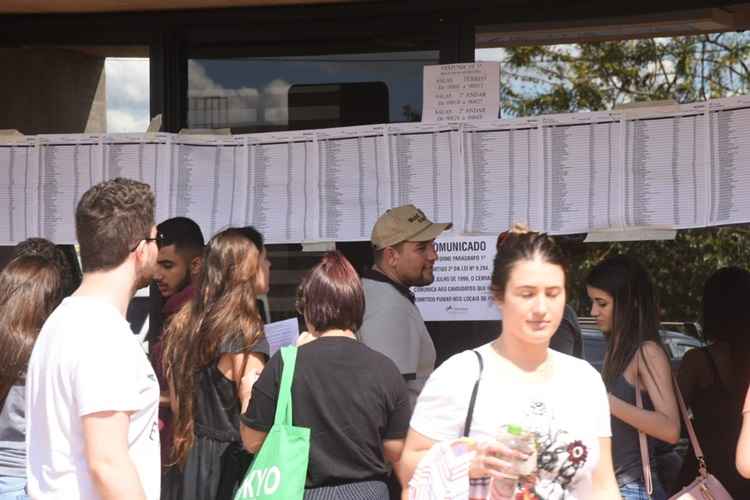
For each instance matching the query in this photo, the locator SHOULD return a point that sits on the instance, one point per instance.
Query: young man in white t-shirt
(91, 395)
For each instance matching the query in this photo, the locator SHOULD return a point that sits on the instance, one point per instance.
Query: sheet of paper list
(68, 167)
(423, 163)
(145, 159)
(665, 170)
(18, 192)
(730, 175)
(579, 164)
(279, 193)
(281, 333)
(203, 175)
(350, 164)
(499, 167)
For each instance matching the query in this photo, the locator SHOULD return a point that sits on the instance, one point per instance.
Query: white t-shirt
(86, 360)
(567, 415)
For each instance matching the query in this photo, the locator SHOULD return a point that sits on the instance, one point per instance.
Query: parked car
(674, 335)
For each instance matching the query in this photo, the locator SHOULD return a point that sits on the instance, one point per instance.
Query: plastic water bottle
(514, 437)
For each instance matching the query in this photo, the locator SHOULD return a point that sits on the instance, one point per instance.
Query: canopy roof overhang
(497, 22)
(101, 6)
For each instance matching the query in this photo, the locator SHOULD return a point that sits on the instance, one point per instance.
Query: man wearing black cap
(402, 241)
(178, 267)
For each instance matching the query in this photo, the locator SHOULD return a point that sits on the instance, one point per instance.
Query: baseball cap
(405, 223)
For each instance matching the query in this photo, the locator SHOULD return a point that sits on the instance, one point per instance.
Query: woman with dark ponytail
(626, 310)
(555, 403)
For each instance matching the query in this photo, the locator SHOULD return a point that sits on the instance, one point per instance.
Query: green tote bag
(280, 467)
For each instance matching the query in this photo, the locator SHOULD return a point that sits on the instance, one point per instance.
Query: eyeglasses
(158, 239)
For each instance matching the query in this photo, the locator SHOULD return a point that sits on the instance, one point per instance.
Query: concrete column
(52, 91)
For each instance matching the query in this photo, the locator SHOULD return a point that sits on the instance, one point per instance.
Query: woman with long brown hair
(30, 288)
(214, 349)
(626, 309)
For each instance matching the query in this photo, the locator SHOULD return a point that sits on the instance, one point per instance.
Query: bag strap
(645, 459)
(284, 403)
(691, 431)
(473, 400)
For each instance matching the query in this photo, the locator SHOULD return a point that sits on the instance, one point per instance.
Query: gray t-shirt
(13, 433)
(394, 326)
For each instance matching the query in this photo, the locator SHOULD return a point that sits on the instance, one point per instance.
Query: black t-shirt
(217, 412)
(350, 396)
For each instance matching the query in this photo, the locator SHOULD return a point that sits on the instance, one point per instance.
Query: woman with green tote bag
(352, 398)
(279, 470)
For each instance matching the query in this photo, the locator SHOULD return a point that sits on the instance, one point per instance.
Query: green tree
(600, 76)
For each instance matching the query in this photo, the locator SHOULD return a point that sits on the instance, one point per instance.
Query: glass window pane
(260, 94)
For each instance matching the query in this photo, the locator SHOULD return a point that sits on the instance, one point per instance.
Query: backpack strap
(473, 400)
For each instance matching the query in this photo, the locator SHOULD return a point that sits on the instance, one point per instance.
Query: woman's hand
(496, 460)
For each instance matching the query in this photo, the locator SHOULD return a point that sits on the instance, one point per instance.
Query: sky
(127, 94)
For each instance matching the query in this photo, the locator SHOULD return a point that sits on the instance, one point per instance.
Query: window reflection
(253, 94)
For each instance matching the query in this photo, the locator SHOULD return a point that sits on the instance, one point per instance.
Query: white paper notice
(143, 157)
(729, 159)
(500, 160)
(580, 162)
(68, 166)
(203, 176)
(461, 92)
(665, 168)
(19, 190)
(351, 163)
(281, 333)
(461, 290)
(280, 192)
(424, 169)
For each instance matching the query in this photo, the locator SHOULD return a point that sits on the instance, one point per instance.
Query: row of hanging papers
(677, 167)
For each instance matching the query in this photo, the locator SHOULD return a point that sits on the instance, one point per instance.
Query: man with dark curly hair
(91, 394)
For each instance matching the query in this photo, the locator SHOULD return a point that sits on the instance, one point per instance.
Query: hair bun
(516, 230)
(519, 229)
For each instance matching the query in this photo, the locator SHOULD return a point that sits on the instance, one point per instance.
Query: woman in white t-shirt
(558, 401)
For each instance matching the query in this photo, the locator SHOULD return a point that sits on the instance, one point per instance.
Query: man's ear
(391, 256)
(196, 264)
(140, 251)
